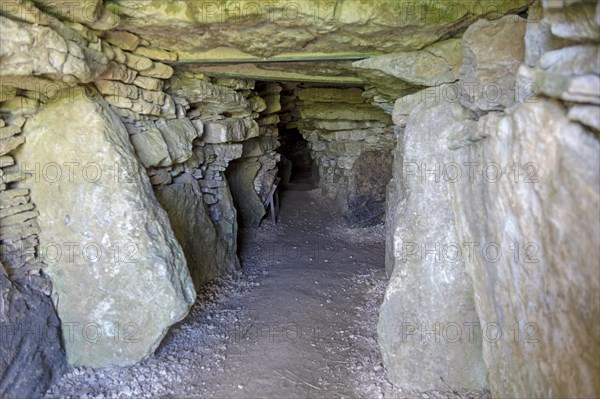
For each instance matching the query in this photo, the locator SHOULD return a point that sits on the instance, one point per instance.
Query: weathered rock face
(493, 51)
(521, 179)
(431, 66)
(274, 28)
(211, 99)
(241, 175)
(206, 254)
(426, 325)
(31, 354)
(570, 73)
(535, 286)
(367, 187)
(119, 274)
(41, 51)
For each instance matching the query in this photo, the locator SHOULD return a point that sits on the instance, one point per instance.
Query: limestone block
(106, 204)
(493, 51)
(178, 134)
(543, 180)
(150, 148)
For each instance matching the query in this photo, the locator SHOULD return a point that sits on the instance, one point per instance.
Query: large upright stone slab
(427, 320)
(206, 254)
(537, 286)
(119, 274)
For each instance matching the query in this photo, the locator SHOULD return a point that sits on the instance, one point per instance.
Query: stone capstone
(331, 95)
(431, 66)
(352, 112)
(355, 27)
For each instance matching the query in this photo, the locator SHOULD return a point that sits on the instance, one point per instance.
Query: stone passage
(139, 141)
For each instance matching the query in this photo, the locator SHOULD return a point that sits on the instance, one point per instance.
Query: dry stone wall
(351, 143)
(30, 328)
(253, 174)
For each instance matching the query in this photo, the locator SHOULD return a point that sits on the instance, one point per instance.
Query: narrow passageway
(298, 321)
(304, 330)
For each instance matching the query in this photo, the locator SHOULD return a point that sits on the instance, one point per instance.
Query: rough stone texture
(404, 106)
(547, 289)
(493, 51)
(431, 66)
(214, 99)
(122, 39)
(353, 112)
(41, 51)
(574, 22)
(241, 175)
(178, 135)
(151, 149)
(331, 95)
(427, 291)
(158, 70)
(570, 73)
(119, 237)
(88, 12)
(230, 130)
(587, 114)
(156, 54)
(206, 254)
(538, 37)
(311, 26)
(31, 354)
(370, 176)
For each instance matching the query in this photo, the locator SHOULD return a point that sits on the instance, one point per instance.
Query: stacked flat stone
(341, 126)
(18, 217)
(264, 147)
(134, 80)
(562, 60)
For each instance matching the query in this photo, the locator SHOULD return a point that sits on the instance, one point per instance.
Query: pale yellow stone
(156, 54)
(158, 70)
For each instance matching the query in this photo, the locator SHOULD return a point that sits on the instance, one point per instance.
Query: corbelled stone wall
(351, 143)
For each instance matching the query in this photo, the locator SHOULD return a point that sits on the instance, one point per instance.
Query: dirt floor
(299, 321)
